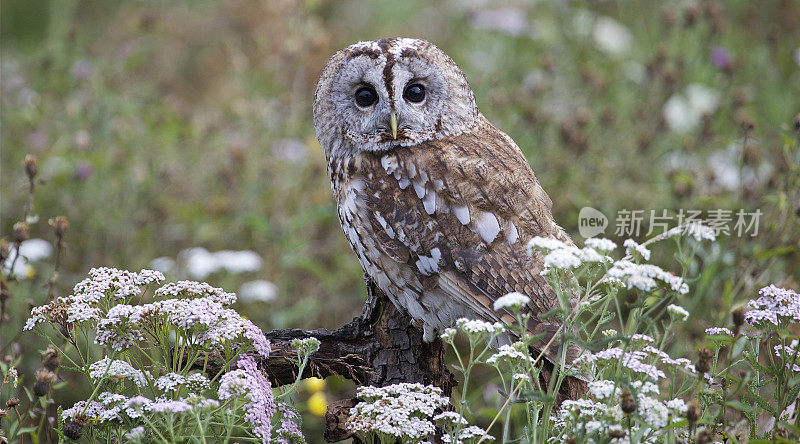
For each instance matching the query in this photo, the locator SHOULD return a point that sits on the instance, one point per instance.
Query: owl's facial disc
(391, 92)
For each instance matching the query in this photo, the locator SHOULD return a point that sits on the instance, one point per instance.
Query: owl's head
(373, 96)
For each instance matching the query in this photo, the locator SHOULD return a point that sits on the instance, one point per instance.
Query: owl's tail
(571, 387)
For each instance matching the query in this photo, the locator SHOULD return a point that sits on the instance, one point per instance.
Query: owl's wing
(460, 211)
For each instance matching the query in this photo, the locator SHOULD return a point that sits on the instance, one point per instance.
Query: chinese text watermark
(635, 223)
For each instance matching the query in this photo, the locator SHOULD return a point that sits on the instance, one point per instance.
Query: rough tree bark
(380, 347)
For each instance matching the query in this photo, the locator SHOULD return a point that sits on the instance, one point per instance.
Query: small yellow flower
(317, 404)
(315, 385)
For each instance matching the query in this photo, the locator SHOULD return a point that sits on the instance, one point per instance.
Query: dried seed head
(50, 358)
(44, 379)
(548, 63)
(690, 15)
(4, 291)
(704, 437)
(797, 121)
(21, 232)
(616, 433)
(148, 19)
(582, 116)
(744, 120)
(693, 413)
(627, 403)
(74, 428)
(12, 402)
(60, 225)
(738, 317)
(5, 250)
(668, 16)
(41, 388)
(704, 361)
(31, 166)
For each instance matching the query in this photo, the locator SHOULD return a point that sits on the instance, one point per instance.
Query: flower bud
(703, 364)
(704, 437)
(44, 378)
(627, 403)
(738, 317)
(5, 250)
(693, 413)
(4, 291)
(60, 225)
(31, 166)
(74, 428)
(616, 434)
(745, 120)
(50, 358)
(797, 121)
(21, 232)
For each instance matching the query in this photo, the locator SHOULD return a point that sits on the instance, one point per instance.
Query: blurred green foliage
(161, 126)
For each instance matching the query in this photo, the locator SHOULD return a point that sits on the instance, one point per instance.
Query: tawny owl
(437, 203)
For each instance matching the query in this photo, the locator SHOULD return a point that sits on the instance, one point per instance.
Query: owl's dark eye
(366, 96)
(414, 93)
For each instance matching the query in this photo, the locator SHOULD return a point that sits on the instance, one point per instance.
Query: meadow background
(165, 126)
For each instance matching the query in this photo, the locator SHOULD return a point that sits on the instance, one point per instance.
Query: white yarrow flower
(515, 353)
(600, 243)
(631, 246)
(476, 326)
(563, 258)
(683, 111)
(699, 232)
(612, 37)
(545, 243)
(116, 369)
(449, 334)
(677, 312)
(258, 291)
(511, 301)
(521, 377)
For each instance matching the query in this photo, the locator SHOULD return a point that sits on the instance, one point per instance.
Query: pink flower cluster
(638, 361)
(634, 360)
(790, 354)
(195, 307)
(250, 382)
(82, 304)
(777, 307)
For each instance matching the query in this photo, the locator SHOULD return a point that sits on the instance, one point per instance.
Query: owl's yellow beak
(393, 124)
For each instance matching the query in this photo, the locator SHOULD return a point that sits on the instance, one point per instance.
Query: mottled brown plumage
(439, 214)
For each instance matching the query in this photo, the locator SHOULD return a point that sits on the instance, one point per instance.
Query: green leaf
(764, 404)
(772, 252)
(678, 425)
(741, 406)
(551, 313)
(637, 437)
(538, 395)
(729, 437)
(756, 365)
(739, 346)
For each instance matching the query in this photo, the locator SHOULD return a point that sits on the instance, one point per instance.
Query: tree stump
(378, 348)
